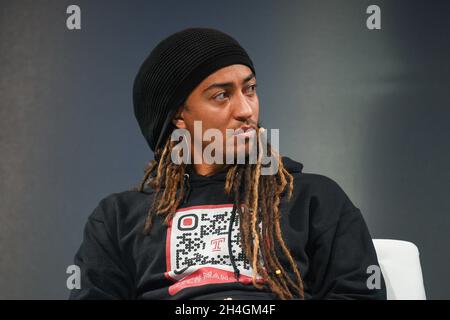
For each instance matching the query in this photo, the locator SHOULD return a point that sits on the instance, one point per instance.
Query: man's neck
(208, 169)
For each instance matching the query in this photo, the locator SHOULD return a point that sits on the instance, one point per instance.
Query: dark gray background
(370, 109)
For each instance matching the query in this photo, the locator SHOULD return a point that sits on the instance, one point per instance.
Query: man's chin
(242, 153)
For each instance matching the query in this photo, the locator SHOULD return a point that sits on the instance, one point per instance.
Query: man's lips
(245, 130)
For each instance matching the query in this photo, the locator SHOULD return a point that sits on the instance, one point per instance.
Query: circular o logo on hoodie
(188, 222)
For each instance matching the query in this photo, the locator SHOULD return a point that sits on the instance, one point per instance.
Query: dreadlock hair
(259, 203)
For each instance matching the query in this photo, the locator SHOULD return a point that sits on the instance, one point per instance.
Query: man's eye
(251, 88)
(220, 96)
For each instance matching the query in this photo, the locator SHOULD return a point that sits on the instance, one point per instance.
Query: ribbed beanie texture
(172, 70)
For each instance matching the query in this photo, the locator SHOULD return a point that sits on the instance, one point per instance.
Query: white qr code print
(197, 249)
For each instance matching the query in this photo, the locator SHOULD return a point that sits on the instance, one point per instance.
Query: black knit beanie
(172, 71)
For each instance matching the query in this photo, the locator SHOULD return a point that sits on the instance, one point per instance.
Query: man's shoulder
(122, 205)
(308, 179)
(318, 188)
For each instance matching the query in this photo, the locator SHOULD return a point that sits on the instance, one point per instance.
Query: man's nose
(242, 108)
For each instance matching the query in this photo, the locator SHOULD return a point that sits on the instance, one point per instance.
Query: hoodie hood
(291, 166)
(191, 177)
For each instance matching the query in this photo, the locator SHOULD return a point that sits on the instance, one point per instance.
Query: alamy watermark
(74, 279)
(374, 280)
(73, 21)
(245, 145)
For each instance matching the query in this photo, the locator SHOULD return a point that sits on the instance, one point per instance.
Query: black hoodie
(199, 256)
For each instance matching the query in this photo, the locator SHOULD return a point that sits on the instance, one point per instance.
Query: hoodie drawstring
(188, 187)
(236, 270)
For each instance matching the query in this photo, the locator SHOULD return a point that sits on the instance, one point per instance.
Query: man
(220, 230)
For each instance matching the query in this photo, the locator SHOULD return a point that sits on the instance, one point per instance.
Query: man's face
(226, 99)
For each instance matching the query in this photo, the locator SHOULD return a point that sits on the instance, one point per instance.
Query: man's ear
(178, 120)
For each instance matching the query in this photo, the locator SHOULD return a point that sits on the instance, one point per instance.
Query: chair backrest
(400, 265)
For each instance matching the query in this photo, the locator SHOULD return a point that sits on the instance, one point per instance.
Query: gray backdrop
(369, 109)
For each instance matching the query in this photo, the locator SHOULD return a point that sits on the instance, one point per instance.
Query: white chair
(400, 265)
